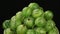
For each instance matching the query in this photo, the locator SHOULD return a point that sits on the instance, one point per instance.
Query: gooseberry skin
(40, 22)
(18, 18)
(21, 29)
(6, 24)
(48, 15)
(30, 31)
(33, 6)
(8, 31)
(54, 31)
(26, 11)
(40, 30)
(50, 24)
(13, 23)
(37, 13)
(29, 22)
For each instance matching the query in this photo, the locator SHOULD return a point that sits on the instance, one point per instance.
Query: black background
(9, 8)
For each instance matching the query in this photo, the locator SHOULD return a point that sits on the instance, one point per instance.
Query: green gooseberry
(50, 24)
(40, 30)
(48, 15)
(29, 22)
(30, 31)
(33, 6)
(40, 22)
(8, 31)
(26, 12)
(37, 13)
(21, 29)
(54, 31)
(6, 24)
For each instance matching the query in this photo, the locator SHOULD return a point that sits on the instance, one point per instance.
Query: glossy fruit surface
(48, 15)
(13, 23)
(54, 31)
(18, 18)
(6, 24)
(21, 29)
(26, 11)
(30, 31)
(33, 6)
(8, 31)
(40, 21)
(50, 24)
(29, 22)
(37, 13)
(40, 31)
(32, 19)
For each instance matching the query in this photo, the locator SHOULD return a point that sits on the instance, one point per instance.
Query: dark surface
(9, 8)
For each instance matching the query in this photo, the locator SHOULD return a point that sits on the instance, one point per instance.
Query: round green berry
(13, 23)
(6, 24)
(8, 31)
(54, 31)
(29, 22)
(50, 24)
(40, 30)
(40, 22)
(48, 15)
(33, 6)
(21, 29)
(26, 12)
(30, 31)
(37, 13)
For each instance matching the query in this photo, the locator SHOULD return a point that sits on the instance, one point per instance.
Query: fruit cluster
(31, 20)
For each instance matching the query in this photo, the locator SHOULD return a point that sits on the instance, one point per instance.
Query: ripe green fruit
(30, 31)
(32, 20)
(6, 24)
(18, 18)
(29, 22)
(33, 6)
(54, 31)
(48, 15)
(26, 11)
(50, 24)
(13, 23)
(37, 13)
(21, 29)
(8, 31)
(40, 22)
(40, 30)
